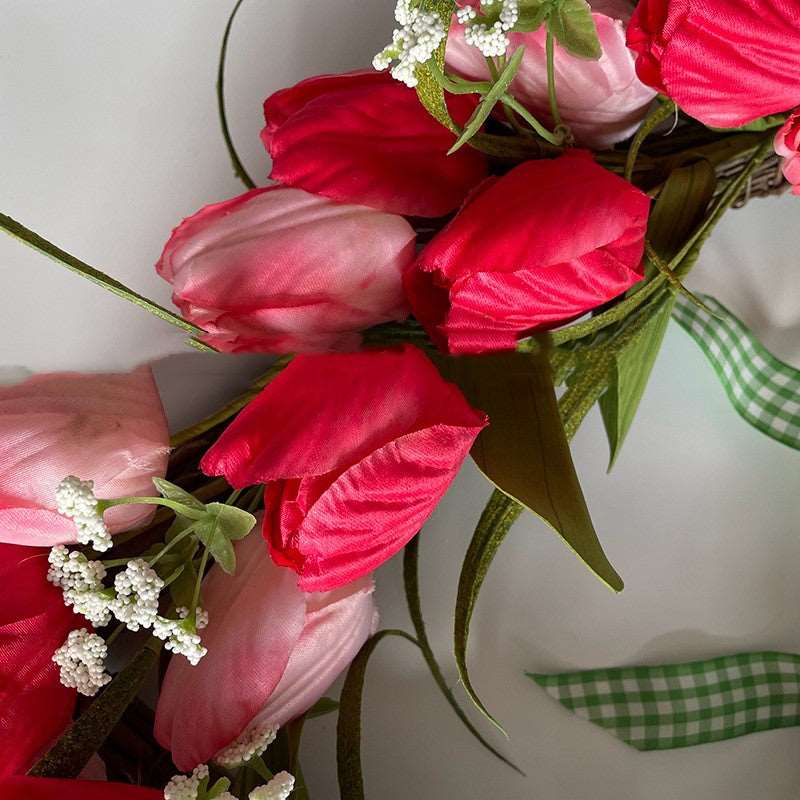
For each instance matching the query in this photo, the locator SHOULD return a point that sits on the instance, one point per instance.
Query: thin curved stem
(238, 167)
(551, 80)
(664, 111)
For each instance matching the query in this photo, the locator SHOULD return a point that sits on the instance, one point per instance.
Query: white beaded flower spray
(138, 587)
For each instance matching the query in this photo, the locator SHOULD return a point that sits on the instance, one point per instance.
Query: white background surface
(109, 138)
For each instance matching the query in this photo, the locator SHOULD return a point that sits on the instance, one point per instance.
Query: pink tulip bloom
(281, 270)
(364, 138)
(273, 651)
(34, 707)
(724, 62)
(109, 428)
(367, 445)
(24, 788)
(567, 237)
(602, 101)
(787, 144)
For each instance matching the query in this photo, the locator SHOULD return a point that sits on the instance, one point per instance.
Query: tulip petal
(374, 508)
(333, 410)
(256, 618)
(34, 707)
(724, 62)
(282, 270)
(568, 236)
(23, 788)
(337, 624)
(109, 428)
(364, 138)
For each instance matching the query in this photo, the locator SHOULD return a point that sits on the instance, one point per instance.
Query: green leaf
(572, 25)
(235, 523)
(172, 492)
(32, 239)
(219, 546)
(629, 377)
(411, 581)
(323, 706)
(532, 13)
(222, 785)
(680, 207)
(348, 728)
(496, 520)
(524, 450)
(489, 101)
(181, 590)
(84, 737)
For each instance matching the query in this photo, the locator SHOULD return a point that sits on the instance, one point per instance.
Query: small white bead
(81, 660)
(138, 588)
(180, 636)
(81, 581)
(75, 499)
(185, 787)
(279, 788)
(413, 43)
(251, 743)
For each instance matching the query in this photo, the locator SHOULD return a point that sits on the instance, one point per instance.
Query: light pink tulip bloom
(273, 651)
(787, 145)
(109, 428)
(281, 270)
(602, 101)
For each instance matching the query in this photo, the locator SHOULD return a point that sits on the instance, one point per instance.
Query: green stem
(664, 111)
(42, 245)
(727, 199)
(238, 167)
(551, 80)
(180, 508)
(200, 572)
(513, 103)
(169, 545)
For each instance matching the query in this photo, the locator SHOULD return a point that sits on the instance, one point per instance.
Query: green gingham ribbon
(680, 705)
(762, 389)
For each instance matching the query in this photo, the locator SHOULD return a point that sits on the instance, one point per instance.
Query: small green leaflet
(172, 492)
(524, 450)
(629, 375)
(489, 101)
(572, 25)
(532, 13)
(222, 525)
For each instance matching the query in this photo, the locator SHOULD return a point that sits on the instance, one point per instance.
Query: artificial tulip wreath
(551, 173)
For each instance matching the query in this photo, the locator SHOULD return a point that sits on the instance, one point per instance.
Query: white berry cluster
(414, 42)
(253, 742)
(279, 788)
(138, 588)
(200, 616)
(490, 37)
(81, 660)
(180, 636)
(185, 787)
(75, 499)
(81, 581)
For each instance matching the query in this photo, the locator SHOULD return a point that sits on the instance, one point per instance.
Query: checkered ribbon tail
(681, 705)
(762, 389)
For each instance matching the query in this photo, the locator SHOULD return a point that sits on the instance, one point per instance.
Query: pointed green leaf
(411, 581)
(219, 546)
(532, 13)
(323, 706)
(489, 100)
(496, 520)
(524, 450)
(680, 207)
(572, 25)
(181, 590)
(630, 373)
(172, 492)
(235, 523)
(348, 728)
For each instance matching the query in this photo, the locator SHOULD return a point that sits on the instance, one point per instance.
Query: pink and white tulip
(108, 428)
(281, 270)
(602, 101)
(273, 651)
(787, 145)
